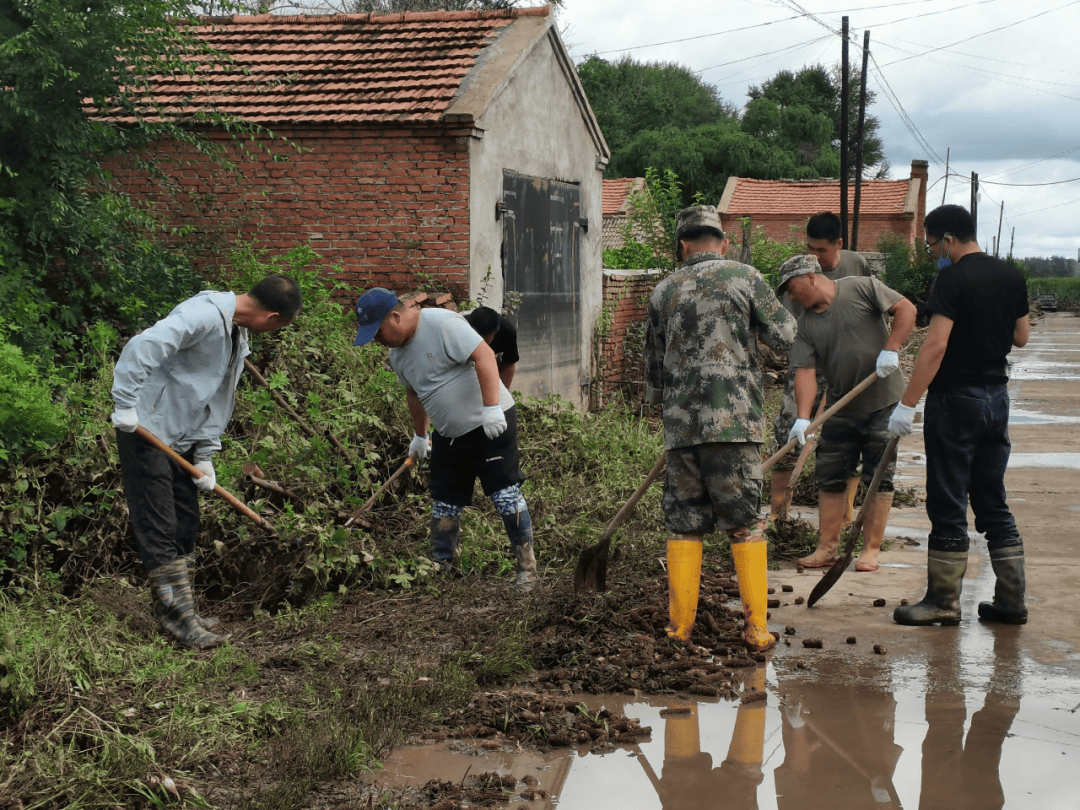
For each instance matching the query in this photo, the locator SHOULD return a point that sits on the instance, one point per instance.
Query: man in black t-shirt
(500, 334)
(978, 312)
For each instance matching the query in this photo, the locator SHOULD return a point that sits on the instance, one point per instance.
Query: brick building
(451, 150)
(781, 207)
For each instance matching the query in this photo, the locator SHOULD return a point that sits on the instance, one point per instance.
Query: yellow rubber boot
(748, 738)
(684, 580)
(750, 551)
(831, 509)
(682, 739)
(852, 491)
(777, 487)
(874, 531)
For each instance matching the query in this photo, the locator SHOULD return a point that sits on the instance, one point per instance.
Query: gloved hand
(209, 477)
(420, 447)
(798, 431)
(887, 363)
(494, 421)
(125, 419)
(902, 421)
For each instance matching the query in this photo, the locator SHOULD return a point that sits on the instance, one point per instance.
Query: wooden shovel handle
(617, 521)
(367, 505)
(189, 468)
(818, 420)
(789, 491)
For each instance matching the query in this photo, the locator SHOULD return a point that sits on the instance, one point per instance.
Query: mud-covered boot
(944, 582)
(206, 622)
(877, 518)
(1008, 606)
(174, 607)
(444, 541)
(520, 531)
(831, 509)
(777, 487)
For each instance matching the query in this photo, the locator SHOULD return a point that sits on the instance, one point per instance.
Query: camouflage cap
(797, 266)
(698, 216)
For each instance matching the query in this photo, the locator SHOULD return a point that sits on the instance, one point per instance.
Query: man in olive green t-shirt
(843, 336)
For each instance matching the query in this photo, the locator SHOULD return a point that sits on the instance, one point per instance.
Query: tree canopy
(663, 116)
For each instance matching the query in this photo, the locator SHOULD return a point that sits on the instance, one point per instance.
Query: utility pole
(859, 143)
(844, 133)
(1012, 241)
(975, 201)
(997, 240)
(947, 151)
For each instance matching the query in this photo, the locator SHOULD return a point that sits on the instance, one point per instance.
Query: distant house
(886, 207)
(451, 150)
(617, 194)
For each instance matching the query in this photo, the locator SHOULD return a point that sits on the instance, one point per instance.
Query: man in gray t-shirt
(452, 381)
(843, 336)
(824, 242)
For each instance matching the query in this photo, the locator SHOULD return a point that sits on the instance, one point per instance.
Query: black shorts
(457, 463)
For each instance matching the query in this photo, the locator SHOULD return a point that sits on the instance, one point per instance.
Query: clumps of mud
(790, 538)
(617, 642)
(481, 790)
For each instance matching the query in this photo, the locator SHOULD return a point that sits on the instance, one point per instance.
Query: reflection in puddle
(974, 725)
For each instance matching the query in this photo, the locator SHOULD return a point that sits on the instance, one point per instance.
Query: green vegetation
(1067, 290)
(908, 273)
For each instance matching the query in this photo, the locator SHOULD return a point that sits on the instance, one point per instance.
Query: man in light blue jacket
(178, 380)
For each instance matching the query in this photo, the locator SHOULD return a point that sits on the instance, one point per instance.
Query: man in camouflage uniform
(702, 363)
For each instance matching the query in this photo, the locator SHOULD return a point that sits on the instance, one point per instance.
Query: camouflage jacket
(701, 352)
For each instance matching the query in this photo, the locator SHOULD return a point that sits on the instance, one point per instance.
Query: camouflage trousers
(787, 416)
(712, 487)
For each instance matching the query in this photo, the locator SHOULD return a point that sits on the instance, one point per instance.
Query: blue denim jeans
(966, 432)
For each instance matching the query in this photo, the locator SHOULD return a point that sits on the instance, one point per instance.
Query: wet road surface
(976, 716)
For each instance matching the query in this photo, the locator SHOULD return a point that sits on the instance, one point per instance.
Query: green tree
(801, 112)
(72, 248)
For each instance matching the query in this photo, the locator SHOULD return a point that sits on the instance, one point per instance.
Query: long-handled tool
(367, 505)
(814, 425)
(838, 567)
(190, 469)
(591, 569)
(800, 462)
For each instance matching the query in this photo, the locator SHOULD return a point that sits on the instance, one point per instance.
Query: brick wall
(871, 229)
(382, 207)
(619, 334)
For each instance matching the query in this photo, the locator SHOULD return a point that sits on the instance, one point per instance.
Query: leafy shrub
(908, 274)
(1067, 290)
(29, 418)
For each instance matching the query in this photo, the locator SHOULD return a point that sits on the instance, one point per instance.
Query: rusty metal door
(542, 266)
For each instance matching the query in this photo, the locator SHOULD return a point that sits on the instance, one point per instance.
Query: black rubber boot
(944, 581)
(520, 531)
(174, 607)
(205, 622)
(1008, 606)
(444, 541)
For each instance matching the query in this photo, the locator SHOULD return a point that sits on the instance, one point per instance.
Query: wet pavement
(976, 716)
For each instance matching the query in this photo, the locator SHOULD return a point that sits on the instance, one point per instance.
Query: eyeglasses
(929, 247)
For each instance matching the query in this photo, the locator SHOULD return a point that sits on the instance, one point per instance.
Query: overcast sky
(997, 82)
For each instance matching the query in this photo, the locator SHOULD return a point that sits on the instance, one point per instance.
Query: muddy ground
(614, 642)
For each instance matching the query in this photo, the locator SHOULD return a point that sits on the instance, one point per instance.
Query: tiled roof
(355, 68)
(615, 193)
(802, 198)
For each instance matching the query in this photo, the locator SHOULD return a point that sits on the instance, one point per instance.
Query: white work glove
(125, 419)
(209, 477)
(494, 421)
(887, 363)
(798, 431)
(420, 446)
(902, 421)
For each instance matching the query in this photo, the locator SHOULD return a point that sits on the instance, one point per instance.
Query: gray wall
(534, 125)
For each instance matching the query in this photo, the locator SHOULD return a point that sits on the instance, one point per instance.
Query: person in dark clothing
(499, 333)
(978, 313)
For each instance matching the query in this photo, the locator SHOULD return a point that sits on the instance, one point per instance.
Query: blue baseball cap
(371, 308)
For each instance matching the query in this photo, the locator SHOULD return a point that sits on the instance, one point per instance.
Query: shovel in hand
(189, 468)
(591, 569)
(367, 505)
(838, 567)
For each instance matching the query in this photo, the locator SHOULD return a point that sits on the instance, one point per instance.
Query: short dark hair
(950, 219)
(824, 225)
(484, 320)
(279, 294)
(700, 232)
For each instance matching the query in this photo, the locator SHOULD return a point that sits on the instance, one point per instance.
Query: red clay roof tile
(802, 198)
(342, 68)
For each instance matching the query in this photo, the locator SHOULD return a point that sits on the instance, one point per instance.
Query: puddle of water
(974, 724)
(1055, 461)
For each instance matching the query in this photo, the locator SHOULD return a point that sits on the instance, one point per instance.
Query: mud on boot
(206, 622)
(520, 532)
(444, 541)
(1008, 606)
(174, 607)
(944, 580)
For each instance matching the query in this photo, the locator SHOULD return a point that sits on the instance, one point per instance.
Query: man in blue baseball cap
(452, 380)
